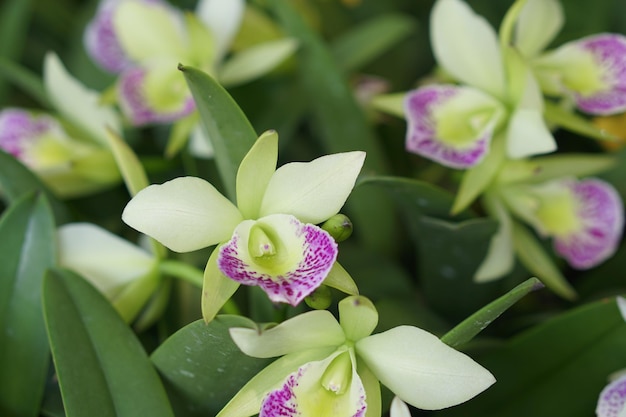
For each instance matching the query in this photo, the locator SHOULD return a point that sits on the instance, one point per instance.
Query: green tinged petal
(256, 61)
(339, 279)
(313, 191)
(399, 408)
(159, 34)
(104, 259)
(372, 390)
(223, 18)
(216, 288)
(184, 214)
(254, 174)
(76, 103)
(358, 317)
(247, 401)
(475, 60)
(311, 330)
(537, 25)
(132, 171)
(500, 257)
(421, 369)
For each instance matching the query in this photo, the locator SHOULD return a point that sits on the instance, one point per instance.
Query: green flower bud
(320, 299)
(339, 227)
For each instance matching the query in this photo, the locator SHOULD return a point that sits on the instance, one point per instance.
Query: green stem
(195, 277)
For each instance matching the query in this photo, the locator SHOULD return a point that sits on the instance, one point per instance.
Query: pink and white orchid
(590, 71)
(612, 399)
(497, 99)
(331, 367)
(69, 151)
(269, 238)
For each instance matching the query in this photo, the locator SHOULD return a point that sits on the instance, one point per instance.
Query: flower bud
(320, 299)
(339, 227)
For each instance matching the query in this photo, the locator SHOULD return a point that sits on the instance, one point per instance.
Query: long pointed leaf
(27, 249)
(102, 368)
(225, 124)
(474, 324)
(340, 124)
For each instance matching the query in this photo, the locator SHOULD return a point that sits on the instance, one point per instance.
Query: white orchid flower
(68, 150)
(145, 40)
(590, 71)
(331, 368)
(269, 239)
(585, 218)
(454, 124)
(126, 274)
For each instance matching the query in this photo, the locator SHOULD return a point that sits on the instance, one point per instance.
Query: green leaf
(202, 367)
(557, 368)
(366, 41)
(131, 169)
(225, 124)
(536, 260)
(448, 255)
(416, 197)
(340, 124)
(102, 368)
(16, 181)
(573, 122)
(27, 250)
(477, 322)
(24, 79)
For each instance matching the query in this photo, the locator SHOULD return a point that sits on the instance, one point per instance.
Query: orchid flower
(612, 400)
(399, 408)
(269, 239)
(590, 71)
(333, 368)
(126, 274)
(497, 99)
(584, 218)
(68, 150)
(145, 40)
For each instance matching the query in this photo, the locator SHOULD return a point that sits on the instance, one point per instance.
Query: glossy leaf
(369, 40)
(27, 250)
(224, 123)
(95, 352)
(339, 123)
(202, 367)
(556, 368)
(477, 322)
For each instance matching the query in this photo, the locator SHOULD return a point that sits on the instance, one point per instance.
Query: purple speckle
(135, 105)
(612, 399)
(317, 256)
(422, 136)
(609, 53)
(101, 41)
(601, 213)
(282, 402)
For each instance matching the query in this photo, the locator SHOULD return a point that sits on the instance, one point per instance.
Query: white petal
(199, 143)
(466, 46)
(255, 171)
(399, 408)
(184, 214)
(106, 260)
(223, 18)
(313, 191)
(159, 34)
(537, 25)
(500, 257)
(528, 135)
(256, 61)
(422, 370)
(305, 331)
(76, 103)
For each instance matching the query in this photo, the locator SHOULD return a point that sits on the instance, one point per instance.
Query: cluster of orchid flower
(509, 94)
(491, 123)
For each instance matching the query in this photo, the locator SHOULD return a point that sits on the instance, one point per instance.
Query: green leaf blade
(203, 368)
(225, 124)
(27, 249)
(102, 368)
